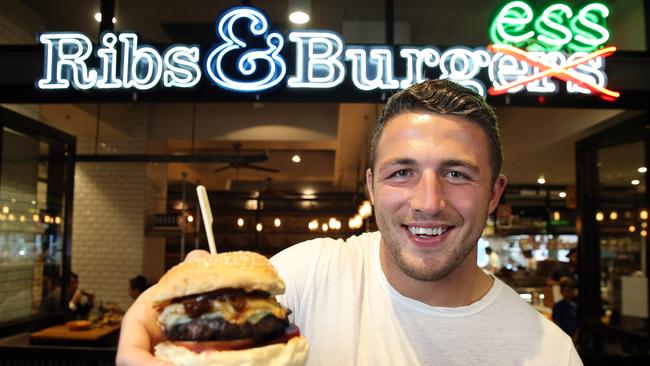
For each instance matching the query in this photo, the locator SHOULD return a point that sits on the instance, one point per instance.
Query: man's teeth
(431, 231)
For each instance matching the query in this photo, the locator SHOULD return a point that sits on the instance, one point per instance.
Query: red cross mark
(559, 71)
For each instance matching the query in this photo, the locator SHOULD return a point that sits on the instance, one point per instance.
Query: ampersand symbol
(247, 64)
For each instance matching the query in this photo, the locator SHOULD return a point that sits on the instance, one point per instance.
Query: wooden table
(61, 334)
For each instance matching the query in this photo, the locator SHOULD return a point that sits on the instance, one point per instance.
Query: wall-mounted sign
(528, 54)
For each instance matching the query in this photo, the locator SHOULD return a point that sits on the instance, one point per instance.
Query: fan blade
(221, 169)
(257, 167)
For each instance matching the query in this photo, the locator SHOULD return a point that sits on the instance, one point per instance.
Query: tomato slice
(237, 344)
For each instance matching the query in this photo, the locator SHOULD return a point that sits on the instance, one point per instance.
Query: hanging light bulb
(190, 218)
(313, 225)
(259, 226)
(296, 158)
(613, 215)
(324, 227)
(277, 222)
(600, 216)
(240, 222)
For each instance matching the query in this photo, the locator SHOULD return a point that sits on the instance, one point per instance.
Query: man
(410, 294)
(565, 271)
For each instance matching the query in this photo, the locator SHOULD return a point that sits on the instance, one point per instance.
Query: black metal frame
(635, 129)
(33, 128)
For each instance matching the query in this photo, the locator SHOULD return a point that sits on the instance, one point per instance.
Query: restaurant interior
(103, 191)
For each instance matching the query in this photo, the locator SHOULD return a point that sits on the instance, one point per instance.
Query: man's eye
(455, 175)
(401, 173)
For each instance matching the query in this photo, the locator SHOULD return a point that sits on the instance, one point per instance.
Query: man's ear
(497, 191)
(369, 185)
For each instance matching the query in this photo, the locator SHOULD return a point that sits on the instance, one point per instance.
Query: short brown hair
(443, 97)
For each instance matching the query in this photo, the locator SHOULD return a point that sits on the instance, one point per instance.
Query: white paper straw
(206, 213)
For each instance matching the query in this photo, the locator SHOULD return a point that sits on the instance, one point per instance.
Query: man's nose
(427, 195)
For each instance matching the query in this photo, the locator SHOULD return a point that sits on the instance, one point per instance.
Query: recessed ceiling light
(299, 17)
(635, 182)
(541, 179)
(642, 169)
(562, 194)
(296, 158)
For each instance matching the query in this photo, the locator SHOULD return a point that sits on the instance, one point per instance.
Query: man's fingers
(196, 254)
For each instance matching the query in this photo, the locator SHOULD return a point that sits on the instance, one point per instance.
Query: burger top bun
(242, 270)
(292, 353)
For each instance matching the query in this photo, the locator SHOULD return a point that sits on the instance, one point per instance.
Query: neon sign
(557, 27)
(250, 58)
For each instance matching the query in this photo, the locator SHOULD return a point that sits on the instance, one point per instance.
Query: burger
(221, 310)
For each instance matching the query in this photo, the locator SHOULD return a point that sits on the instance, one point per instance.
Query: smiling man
(410, 294)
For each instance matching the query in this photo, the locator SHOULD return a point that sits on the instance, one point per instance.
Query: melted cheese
(254, 311)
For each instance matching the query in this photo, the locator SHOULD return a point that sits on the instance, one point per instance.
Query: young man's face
(432, 191)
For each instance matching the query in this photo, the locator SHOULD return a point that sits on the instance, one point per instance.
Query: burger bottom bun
(292, 353)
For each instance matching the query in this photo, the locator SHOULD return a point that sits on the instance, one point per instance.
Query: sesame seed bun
(242, 270)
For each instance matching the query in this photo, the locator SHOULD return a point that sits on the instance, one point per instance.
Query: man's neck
(466, 285)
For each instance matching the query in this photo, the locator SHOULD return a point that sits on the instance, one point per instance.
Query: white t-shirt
(351, 315)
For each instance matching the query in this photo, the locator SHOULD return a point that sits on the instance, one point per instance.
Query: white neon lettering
(247, 63)
(374, 72)
(181, 67)
(416, 60)
(583, 18)
(317, 60)
(461, 65)
(142, 66)
(505, 69)
(108, 63)
(547, 19)
(545, 84)
(504, 20)
(65, 60)
(592, 71)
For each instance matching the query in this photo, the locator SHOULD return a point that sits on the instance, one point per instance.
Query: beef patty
(219, 329)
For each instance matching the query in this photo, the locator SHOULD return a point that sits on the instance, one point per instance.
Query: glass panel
(622, 224)
(31, 225)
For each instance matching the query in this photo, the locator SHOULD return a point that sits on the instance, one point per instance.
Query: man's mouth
(428, 232)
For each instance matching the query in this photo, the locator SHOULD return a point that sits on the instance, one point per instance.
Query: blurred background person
(565, 311)
(494, 262)
(137, 285)
(531, 261)
(78, 302)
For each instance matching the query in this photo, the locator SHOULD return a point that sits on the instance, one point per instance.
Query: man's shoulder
(320, 247)
(525, 318)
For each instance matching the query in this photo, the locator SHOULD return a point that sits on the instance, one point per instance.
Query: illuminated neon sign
(557, 27)
(527, 54)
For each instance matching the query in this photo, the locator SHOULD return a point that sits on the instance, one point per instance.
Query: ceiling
(332, 138)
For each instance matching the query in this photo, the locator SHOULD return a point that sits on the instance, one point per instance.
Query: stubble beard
(424, 272)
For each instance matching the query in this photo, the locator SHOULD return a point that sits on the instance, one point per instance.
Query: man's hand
(140, 331)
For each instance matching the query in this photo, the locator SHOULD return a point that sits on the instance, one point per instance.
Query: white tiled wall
(112, 202)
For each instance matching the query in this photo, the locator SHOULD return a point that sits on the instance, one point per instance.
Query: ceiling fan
(243, 163)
